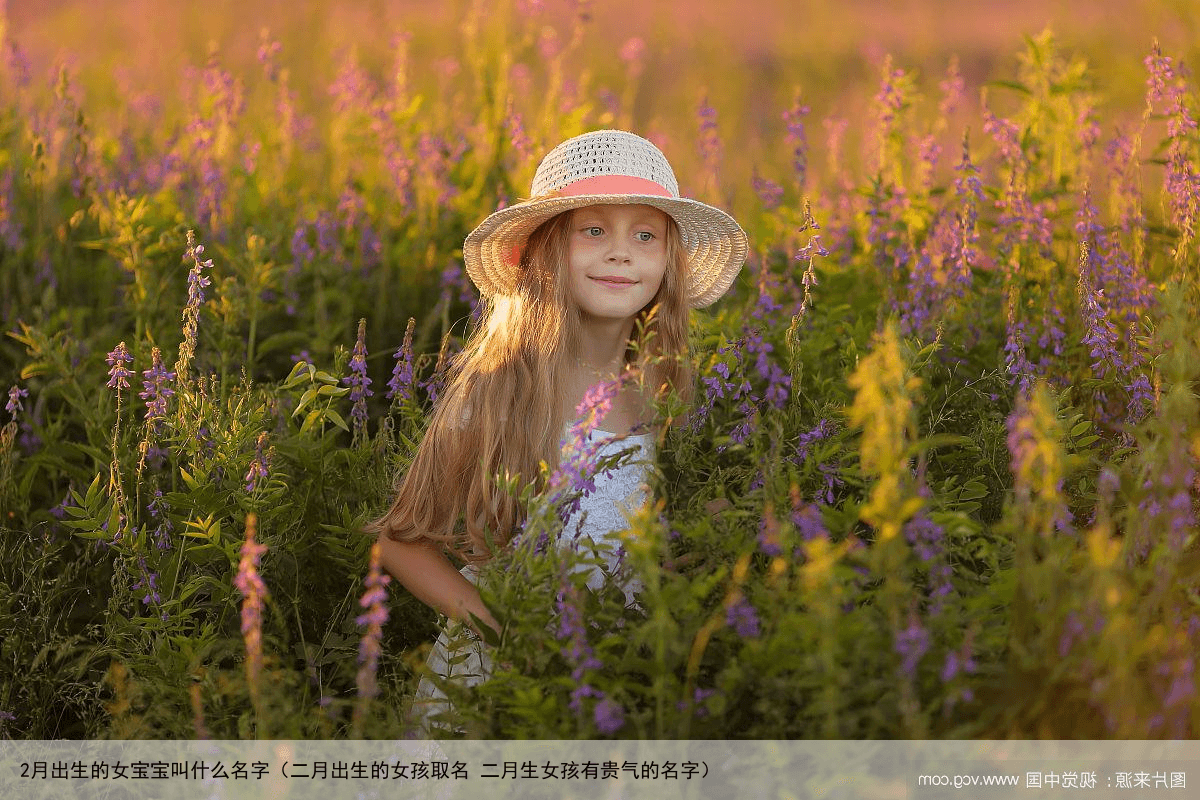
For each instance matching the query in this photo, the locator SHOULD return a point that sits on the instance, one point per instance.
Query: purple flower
(576, 469)
(1074, 629)
(268, 52)
(807, 255)
(1016, 363)
(374, 600)
(709, 141)
(1141, 398)
(633, 53)
(161, 534)
(157, 390)
(892, 96)
(958, 661)
(929, 151)
(952, 89)
(911, 644)
(1167, 89)
(453, 277)
(60, 510)
(769, 535)
(1167, 505)
(352, 89)
(806, 440)
(743, 618)
(302, 250)
(149, 583)
(514, 126)
(726, 386)
(927, 291)
(358, 382)
(197, 282)
(1101, 336)
(254, 593)
(797, 139)
(14, 400)
(434, 383)
(609, 716)
(258, 466)
(768, 191)
(926, 538)
(118, 375)
(809, 522)
(968, 194)
(400, 386)
(578, 652)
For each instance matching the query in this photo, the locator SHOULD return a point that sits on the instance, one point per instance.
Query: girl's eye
(594, 230)
(645, 236)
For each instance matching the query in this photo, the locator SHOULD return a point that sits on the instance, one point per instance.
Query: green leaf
(310, 420)
(191, 482)
(305, 399)
(1017, 87)
(93, 493)
(204, 554)
(333, 391)
(489, 636)
(336, 419)
(34, 369)
(294, 377)
(974, 489)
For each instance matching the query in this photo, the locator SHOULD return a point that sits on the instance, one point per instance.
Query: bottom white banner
(605, 770)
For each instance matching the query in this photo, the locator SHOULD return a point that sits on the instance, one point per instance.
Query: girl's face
(616, 258)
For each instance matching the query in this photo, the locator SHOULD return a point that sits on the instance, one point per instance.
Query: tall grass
(940, 479)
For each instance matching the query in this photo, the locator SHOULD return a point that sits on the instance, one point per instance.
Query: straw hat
(599, 168)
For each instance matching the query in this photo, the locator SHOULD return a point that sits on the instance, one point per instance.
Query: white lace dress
(457, 655)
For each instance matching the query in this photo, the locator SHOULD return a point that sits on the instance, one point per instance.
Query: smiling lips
(613, 280)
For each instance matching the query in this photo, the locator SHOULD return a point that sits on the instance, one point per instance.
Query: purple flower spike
(156, 384)
(14, 400)
(254, 594)
(118, 375)
(710, 141)
(258, 467)
(609, 716)
(576, 469)
(911, 644)
(374, 600)
(400, 386)
(797, 139)
(358, 382)
(743, 618)
(197, 282)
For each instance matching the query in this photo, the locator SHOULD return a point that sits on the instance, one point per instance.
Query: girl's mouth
(616, 283)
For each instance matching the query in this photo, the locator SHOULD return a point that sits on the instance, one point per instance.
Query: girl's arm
(423, 570)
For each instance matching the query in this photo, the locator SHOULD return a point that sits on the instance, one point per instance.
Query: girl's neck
(602, 348)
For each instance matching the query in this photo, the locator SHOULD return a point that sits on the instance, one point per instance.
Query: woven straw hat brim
(715, 244)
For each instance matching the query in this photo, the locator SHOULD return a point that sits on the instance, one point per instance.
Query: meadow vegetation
(940, 479)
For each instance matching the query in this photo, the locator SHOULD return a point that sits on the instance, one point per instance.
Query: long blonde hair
(505, 404)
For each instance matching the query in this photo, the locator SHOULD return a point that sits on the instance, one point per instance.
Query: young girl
(568, 280)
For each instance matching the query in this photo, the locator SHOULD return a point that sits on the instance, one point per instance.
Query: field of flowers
(940, 482)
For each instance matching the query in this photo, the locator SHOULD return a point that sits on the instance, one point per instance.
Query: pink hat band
(612, 184)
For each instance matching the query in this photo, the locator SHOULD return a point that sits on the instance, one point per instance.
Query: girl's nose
(618, 252)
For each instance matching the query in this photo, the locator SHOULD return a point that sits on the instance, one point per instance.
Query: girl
(593, 275)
